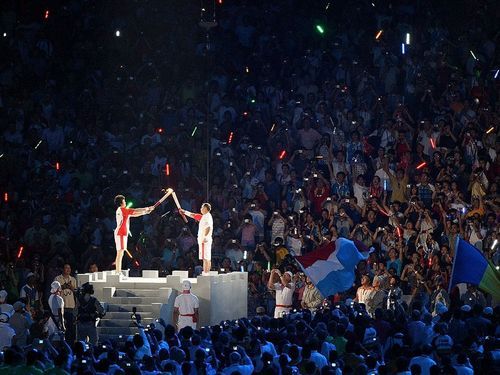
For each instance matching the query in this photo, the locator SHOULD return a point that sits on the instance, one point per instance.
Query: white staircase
(221, 296)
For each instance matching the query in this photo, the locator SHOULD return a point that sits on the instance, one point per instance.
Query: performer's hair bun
(119, 199)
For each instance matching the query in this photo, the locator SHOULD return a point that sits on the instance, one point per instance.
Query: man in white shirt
(56, 305)
(284, 291)
(68, 285)
(205, 230)
(186, 307)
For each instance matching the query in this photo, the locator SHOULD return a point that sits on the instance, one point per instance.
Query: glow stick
(490, 130)
(129, 204)
(385, 184)
(496, 74)
(38, 144)
(1, 156)
(379, 34)
(403, 48)
(20, 252)
(230, 138)
(5, 197)
(58, 166)
(245, 255)
(474, 56)
(398, 229)
(282, 154)
(272, 127)
(46, 16)
(167, 169)
(494, 244)
(433, 144)
(269, 266)
(242, 269)
(327, 6)
(407, 38)
(421, 165)
(194, 131)
(246, 69)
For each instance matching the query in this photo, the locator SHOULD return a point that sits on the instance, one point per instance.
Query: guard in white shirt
(205, 229)
(284, 288)
(186, 307)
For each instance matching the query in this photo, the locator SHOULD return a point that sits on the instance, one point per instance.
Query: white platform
(222, 297)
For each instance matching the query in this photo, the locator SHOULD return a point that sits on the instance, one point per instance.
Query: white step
(137, 293)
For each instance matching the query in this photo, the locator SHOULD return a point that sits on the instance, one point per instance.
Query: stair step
(137, 293)
(116, 331)
(124, 322)
(126, 314)
(113, 307)
(136, 300)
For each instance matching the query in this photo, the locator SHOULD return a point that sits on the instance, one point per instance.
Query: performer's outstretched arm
(190, 214)
(136, 212)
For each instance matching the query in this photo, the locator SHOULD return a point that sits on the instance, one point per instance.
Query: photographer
(89, 309)
(68, 284)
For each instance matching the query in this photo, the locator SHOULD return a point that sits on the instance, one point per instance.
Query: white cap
(186, 285)
(3, 295)
(289, 273)
(55, 286)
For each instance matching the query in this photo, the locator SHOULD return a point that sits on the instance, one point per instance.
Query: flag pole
(453, 265)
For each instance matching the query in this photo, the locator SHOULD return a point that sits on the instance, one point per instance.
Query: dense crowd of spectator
(297, 135)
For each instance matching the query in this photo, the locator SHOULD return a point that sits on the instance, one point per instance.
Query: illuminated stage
(222, 297)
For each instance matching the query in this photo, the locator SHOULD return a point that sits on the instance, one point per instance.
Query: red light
(58, 166)
(46, 14)
(136, 262)
(20, 252)
(433, 143)
(245, 113)
(230, 139)
(5, 197)
(282, 154)
(159, 130)
(421, 165)
(167, 169)
(219, 2)
(399, 231)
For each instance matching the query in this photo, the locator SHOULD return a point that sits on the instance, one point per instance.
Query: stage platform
(222, 297)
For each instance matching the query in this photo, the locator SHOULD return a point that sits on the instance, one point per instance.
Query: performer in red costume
(205, 230)
(123, 215)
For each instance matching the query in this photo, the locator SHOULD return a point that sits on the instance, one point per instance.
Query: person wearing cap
(56, 306)
(7, 333)
(186, 307)
(284, 288)
(68, 285)
(205, 230)
(4, 306)
(21, 322)
(122, 230)
(29, 291)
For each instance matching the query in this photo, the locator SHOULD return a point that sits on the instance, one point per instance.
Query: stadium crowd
(300, 123)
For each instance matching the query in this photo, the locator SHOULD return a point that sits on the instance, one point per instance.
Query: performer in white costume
(186, 307)
(205, 230)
